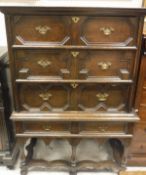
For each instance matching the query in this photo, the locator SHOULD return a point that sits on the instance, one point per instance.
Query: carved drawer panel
(44, 97)
(103, 127)
(107, 64)
(75, 64)
(41, 30)
(73, 96)
(42, 126)
(41, 63)
(103, 97)
(116, 31)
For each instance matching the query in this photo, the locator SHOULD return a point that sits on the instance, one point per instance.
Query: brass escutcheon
(46, 127)
(74, 85)
(42, 29)
(75, 19)
(107, 30)
(44, 63)
(45, 96)
(105, 65)
(75, 54)
(102, 96)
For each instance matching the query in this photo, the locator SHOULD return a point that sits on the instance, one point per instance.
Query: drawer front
(105, 64)
(39, 30)
(72, 128)
(42, 127)
(44, 97)
(73, 96)
(103, 97)
(103, 127)
(74, 64)
(66, 30)
(51, 64)
(116, 31)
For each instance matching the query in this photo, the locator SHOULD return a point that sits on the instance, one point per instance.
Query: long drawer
(56, 97)
(74, 64)
(72, 128)
(82, 30)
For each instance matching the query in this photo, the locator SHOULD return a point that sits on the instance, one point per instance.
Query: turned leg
(126, 151)
(29, 149)
(74, 143)
(23, 165)
(118, 150)
(25, 158)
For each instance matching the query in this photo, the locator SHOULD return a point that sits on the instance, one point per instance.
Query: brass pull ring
(105, 65)
(44, 63)
(102, 97)
(46, 127)
(42, 29)
(45, 96)
(107, 30)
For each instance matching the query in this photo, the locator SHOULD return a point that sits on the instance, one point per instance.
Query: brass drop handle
(74, 85)
(107, 30)
(102, 97)
(42, 29)
(105, 65)
(102, 128)
(46, 127)
(45, 96)
(75, 19)
(75, 54)
(44, 63)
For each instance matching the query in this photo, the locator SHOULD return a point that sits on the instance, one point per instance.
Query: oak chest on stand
(74, 74)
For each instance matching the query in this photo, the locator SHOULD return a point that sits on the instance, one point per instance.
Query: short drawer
(104, 127)
(33, 64)
(42, 127)
(41, 30)
(36, 97)
(114, 31)
(74, 64)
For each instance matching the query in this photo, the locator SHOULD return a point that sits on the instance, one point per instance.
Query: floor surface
(130, 171)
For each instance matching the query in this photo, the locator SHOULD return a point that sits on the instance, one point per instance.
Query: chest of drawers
(74, 73)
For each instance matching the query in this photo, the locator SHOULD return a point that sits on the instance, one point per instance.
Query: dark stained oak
(74, 75)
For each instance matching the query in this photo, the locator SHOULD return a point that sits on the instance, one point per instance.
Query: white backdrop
(3, 40)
